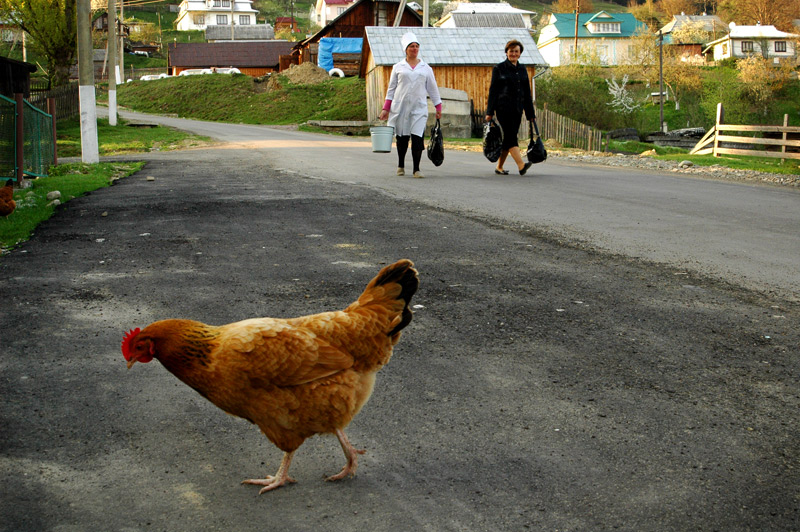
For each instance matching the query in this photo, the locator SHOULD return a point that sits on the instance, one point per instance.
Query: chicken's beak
(131, 362)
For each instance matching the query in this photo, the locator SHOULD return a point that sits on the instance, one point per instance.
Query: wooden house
(285, 23)
(351, 23)
(690, 48)
(461, 59)
(15, 77)
(254, 58)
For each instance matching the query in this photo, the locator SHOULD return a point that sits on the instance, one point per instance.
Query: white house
(484, 15)
(602, 35)
(199, 14)
(324, 11)
(744, 41)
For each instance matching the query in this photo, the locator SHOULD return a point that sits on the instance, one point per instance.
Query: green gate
(38, 150)
(38, 145)
(8, 145)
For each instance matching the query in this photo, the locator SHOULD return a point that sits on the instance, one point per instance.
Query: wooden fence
(568, 132)
(717, 142)
(552, 126)
(66, 99)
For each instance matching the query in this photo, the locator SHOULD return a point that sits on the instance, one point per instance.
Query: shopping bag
(436, 145)
(492, 140)
(536, 152)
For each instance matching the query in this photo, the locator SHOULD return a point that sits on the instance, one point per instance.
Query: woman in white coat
(406, 104)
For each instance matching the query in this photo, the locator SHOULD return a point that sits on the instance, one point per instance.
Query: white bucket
(381, 138)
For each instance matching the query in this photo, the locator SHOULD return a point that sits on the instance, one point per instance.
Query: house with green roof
(601, 35)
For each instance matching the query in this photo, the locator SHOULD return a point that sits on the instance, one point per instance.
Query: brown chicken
(294, 378)
(7, 203)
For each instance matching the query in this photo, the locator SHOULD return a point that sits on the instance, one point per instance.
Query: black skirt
(509, 121)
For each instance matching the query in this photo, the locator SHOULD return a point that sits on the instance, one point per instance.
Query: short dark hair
(512, 43)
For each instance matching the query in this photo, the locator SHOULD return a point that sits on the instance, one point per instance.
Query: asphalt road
(737, 232)
(541, 386)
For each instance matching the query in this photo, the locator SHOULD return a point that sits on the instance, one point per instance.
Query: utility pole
(577, 12)
(89, 149)
(661, 80)
(111, 54)
(233, 35)
(121, 41)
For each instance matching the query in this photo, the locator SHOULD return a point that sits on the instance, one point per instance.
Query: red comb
(126, 342)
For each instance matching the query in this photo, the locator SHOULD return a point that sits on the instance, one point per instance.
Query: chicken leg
(352, 457)
(280, 478)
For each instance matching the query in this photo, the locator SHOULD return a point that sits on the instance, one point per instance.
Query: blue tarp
(336, 45)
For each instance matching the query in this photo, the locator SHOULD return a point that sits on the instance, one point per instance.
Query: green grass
(238, 99)
(123, 138)
(71, 180)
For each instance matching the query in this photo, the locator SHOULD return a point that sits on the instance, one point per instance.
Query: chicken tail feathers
(384, 288)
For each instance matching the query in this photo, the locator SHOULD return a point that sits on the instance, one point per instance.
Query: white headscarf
(407, 39)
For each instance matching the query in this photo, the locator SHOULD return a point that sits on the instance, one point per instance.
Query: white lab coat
(408, 90)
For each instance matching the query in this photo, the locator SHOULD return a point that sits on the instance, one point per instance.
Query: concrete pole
(121, 41)
(113, 73)
(89, 147)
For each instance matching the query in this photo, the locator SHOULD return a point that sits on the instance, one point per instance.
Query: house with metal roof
(604, 36)
(199, 14)
(486, 15)
(255, 32)
(744, 41)
(461, 59)
(324, 11)
(254, 58)
(706, 28)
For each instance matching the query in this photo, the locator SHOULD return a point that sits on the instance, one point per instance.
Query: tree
(53, 28)
(678, 7)
(647, 13)
(568, 6)
(691, 32)
(765, 12)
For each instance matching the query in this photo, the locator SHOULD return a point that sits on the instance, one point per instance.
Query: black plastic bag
(436, 145)
(536, 152)
(492, 140)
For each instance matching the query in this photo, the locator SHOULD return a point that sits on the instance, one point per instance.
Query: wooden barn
(461, 58)
(254, 58)
(352, 23)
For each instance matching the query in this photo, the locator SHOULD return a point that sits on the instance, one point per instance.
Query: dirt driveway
(539, 387)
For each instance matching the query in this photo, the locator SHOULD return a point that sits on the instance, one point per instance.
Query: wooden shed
(15, 77)
(461, 58)
(352, 23)
(254, 58)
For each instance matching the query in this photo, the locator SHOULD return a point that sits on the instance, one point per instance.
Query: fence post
(720, 117)
(783, 146)
(51, 108)
(20, 139)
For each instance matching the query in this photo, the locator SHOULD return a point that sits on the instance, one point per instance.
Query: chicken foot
(352, 457)
(280, 478)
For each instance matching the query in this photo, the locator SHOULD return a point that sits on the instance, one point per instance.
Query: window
(602, 53)
(605, 27)
(222, 20)
(780, 46)
(244, 20)
(747, 46)
(340, 10)
(199, 20)
(222, 3)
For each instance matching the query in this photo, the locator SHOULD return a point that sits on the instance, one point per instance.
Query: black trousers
(417, 147)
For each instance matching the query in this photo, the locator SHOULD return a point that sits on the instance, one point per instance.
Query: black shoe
(500, 172)
(525, 168)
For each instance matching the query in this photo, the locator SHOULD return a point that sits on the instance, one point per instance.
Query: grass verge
(71, 180)
(124, 138)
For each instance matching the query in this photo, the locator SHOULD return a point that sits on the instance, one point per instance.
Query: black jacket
(510, 90)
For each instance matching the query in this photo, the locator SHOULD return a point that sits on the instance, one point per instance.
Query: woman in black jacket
(509, 95)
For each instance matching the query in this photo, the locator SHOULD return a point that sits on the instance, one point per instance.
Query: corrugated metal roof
(452, 46)
(241, 32)
(481, 7)
(488, 20)
(228, 54)
(564, 24)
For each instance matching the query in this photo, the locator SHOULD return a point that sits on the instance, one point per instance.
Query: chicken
(7, 203)
(294, 378)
